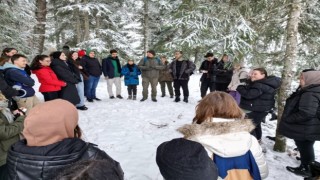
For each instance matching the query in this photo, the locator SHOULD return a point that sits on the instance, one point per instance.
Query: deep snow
(127, 130)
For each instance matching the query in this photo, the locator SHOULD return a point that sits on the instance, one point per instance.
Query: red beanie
(81, 53)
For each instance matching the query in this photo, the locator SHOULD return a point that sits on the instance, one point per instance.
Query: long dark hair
(7, 50)
(35, 64)
(4, 59)
(70, 55)
(262, 71)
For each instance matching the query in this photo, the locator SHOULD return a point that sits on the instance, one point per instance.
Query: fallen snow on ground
(130, 131)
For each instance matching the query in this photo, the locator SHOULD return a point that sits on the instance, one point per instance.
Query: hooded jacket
(237, 77)
(50, 143)
(18, 77)
(131, 74)
(164, 74)
(227, 138)
(258, 96)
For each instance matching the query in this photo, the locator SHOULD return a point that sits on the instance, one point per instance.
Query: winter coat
(48, 80)
(45, 162)
(64, 73)
(131, 74)
(223, 72)
(150, 67)
(6, 90)
(83, 72)
(186, 70)
(164, 74)
(209, 66)
(108, 68)
(238, 77)
(9, 134)
(91, 66)
(301, 115)
(259, 95)
(228, 140)
(18, 77)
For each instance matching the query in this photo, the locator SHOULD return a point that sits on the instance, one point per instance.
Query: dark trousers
(163, 87)
(48, 96)
(181, 83)
(3, 172)
(257, 118)
(205, 85)
(306, 150)
(132, 89)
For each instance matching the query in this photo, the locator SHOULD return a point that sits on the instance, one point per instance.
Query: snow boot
(177, 99)
(185, 99)
(129, 97)
(302, 170)
(134, 97)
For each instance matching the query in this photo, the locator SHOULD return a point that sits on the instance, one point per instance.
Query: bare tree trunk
(56, 25)
(78, 25)
(197, 56)
(40, 27)
(146, 27)
(98, 25)
(289, 64)
(86, 23)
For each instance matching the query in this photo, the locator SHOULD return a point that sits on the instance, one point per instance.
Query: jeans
(92, 84)
(132, 90)
(80, 89)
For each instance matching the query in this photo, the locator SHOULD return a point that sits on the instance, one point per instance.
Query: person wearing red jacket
(50, 84)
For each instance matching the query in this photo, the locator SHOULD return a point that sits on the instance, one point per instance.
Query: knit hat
(88, 51)
(208, 55)
(81, 53)
(152, 52)
(50, 122)
(311, 77)
(56, 54)
(184, 159)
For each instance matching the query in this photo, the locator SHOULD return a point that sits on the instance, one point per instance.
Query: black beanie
(185, 160)
(56, 54)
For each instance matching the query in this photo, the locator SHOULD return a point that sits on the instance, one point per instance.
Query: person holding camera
(11, 125)
(207, 79)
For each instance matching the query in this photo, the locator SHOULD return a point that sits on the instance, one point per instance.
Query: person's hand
(106, 77)
(204, 71)
(80, 67)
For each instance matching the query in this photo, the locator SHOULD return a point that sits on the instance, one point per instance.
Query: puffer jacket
(187, 68)
(150, 67)
(9, 134)
(49, 81)
(229, 138)
(258, 96)
(301, 115)
(165, 75)
(45, 162)
(131, 74)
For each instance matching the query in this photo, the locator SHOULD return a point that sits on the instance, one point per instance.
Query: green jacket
(9, 134)
(150, 67)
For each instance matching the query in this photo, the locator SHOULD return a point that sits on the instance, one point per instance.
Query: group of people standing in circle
(230, 115)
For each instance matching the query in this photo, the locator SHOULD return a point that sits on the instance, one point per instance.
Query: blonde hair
(2, 97)
(219, 105)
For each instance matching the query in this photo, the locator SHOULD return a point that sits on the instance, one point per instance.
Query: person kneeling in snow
(53, 141)
(225, 134)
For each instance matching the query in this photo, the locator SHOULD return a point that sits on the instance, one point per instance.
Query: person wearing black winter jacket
(301, 119)
(223, 73)
(52, 143)
(258, 97)
(64, 72)
(208, 77)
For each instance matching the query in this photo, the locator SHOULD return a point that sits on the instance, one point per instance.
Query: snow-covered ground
(129, 131)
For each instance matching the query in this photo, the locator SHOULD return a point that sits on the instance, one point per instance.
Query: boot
(177, 99)
(134, 97)
(171, 96)
(163, 95)
(130, 97)
(302, 170)
(185, 99)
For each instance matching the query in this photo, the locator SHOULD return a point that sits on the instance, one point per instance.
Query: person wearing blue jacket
(18, 78)
(131, 74)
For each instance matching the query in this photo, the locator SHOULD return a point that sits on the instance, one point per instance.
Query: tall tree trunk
(40, 27)
(86, 23)
(197, 56)
(145, 26)
(289, 64)
(56, 24)
(98, 25)
(78, 25)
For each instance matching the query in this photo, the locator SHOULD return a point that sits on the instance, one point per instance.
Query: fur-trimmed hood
(228, 138)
